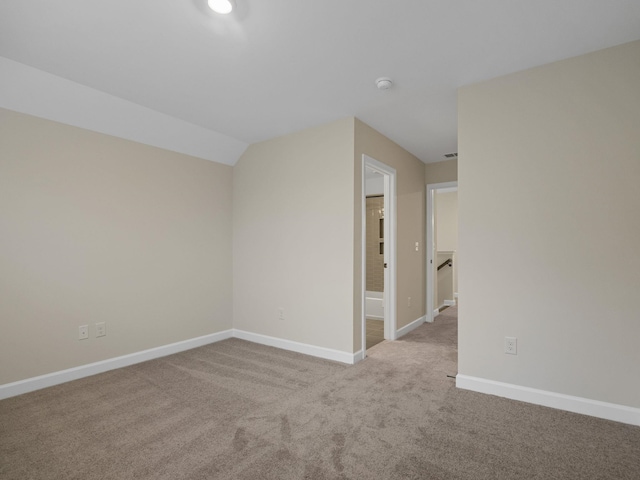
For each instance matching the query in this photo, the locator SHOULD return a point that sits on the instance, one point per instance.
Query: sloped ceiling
(279, 66)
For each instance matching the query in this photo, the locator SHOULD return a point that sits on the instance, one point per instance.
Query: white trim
(412, 326)
(436, 312)
(363, 260)
(390, 251)
(322, 352)
(43, 381)
(585, 406)
(359, 356)
(449, 303)
(431, 244)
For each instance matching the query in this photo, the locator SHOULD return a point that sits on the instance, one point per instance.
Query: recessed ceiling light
(221, 6)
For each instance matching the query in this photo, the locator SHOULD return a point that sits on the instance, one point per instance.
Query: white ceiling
(279, 66)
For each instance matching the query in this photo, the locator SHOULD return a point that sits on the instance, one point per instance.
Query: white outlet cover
(511, 345)
(83, 332)
(101, 329)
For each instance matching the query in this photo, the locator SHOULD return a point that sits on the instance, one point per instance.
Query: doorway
(379, 293)
(441, 258)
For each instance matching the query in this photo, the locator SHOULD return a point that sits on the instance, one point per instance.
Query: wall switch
(409, 302)
(280, 313)
(83, 332)
(101, 329)
(511, 345)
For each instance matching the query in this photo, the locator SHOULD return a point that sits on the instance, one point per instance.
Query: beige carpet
(236, 410)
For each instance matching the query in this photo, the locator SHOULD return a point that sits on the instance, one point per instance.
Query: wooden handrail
(448, 261)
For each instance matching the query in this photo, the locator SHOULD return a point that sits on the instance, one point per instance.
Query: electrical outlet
(417, 246)
(101, 329)
(511, 345)
(83, 332)
(280, 313)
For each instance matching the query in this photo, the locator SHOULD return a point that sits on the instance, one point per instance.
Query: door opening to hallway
(374, 301)
(378, 253)
(442, 246)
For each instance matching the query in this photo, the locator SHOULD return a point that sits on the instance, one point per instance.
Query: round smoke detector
(384, 83)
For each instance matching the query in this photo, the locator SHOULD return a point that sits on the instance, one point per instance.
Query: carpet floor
(238, 410)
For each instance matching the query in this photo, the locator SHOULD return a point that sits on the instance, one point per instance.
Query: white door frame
(390, 253)
(431, 243)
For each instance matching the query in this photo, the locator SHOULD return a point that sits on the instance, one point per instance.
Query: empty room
(319, 240)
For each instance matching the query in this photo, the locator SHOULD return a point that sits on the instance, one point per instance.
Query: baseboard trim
(322, 352)
(412, 326)
(43, 381)
(359, 356)
(374, 317)
(436, 312)
(49, 380)
(585, 406)
(449, 303)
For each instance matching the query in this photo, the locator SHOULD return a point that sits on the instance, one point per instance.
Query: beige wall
(293, 237)
(165, 247)
(98, 229)
(548, 191)
(440, 172)
(447, 221)
(410, 224)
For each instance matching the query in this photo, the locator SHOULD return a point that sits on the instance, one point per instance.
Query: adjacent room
(319, 240)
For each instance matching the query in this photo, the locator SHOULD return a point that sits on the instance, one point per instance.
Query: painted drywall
(548, 195)
(95, 228)
(441, 172)
(28, 90)
(293, 237)
(411, 221)
(447, 219)
(375, 185)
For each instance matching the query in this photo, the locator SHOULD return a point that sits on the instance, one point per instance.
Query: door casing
(431, 243)
(390, 252)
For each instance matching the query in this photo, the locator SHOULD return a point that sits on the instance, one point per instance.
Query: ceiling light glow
(221, 6)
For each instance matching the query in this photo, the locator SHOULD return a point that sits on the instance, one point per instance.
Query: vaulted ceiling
(278, 66)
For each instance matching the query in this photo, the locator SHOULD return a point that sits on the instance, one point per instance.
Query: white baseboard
(375, 317)
(449, 303)
(43, 381)
(36, 383)
(436, 312)
(326, 353)
(585, 406)
(412, 326)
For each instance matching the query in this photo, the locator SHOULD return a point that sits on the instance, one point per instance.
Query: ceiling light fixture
(384, 83)
(221, 6)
